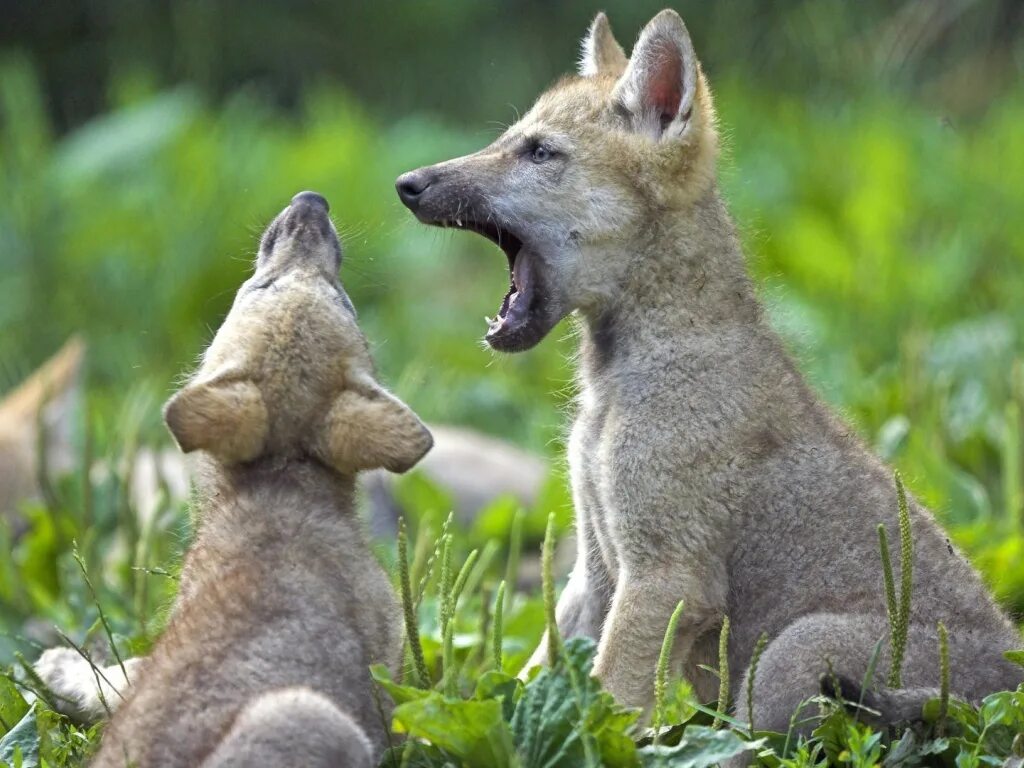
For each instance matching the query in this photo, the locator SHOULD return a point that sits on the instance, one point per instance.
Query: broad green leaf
(472, 731)
(23, 737)
(415, 754)
(998, 709)
(1017, 657)
(498, 685)
(12, 705)
(700, 747)
(399, 693)
(564, 718)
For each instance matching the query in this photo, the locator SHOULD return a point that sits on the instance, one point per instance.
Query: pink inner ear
(665, 82)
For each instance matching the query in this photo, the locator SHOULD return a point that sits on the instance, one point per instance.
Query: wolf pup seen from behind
(282, 607)
(703, 466)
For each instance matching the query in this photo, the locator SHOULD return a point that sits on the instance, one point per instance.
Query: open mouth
(515, 326)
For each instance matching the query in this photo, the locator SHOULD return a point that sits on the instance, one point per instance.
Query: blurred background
(874, 161)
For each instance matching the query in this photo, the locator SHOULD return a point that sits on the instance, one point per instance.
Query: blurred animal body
(38, 421)
(704, 468)
(282, 607)
(35, 426)
(472, 468)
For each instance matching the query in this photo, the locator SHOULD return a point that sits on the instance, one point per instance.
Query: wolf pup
(703, 467)
(282, 607)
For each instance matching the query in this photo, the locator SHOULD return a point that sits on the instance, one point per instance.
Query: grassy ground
(888, 244)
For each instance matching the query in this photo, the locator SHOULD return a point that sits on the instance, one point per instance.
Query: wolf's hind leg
(77, 685)
(814, 654)
(289, 727)
(819, 651)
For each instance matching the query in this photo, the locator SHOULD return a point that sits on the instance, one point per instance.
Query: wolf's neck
(686, 285)
(270, 504)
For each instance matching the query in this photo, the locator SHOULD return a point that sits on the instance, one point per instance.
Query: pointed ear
(368, 428)
(600, 52)
(660, 82)
(226, 418)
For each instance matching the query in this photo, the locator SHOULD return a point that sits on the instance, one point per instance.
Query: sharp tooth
(488, 320)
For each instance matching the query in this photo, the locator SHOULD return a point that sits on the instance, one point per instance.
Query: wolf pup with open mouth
(282, 607)
(703, 466)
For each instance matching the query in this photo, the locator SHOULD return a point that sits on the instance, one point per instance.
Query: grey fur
(704, 468)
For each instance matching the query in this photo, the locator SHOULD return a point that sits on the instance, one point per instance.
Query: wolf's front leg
(83, 692)
(627, 656)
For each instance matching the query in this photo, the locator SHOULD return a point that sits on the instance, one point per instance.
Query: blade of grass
(515, 546)
(462, 578)
(476, 575)
(498, 625)
(96, 601)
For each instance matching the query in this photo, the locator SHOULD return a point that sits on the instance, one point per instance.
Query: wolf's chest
(591, 454)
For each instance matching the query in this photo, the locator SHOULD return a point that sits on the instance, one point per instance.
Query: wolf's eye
(541, 154)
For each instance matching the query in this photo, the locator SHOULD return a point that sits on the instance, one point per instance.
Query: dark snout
(310, 203)
(412, 185)
(308, 212)
(305, 223)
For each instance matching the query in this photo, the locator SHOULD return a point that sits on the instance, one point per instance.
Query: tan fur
(600, 52)
(38, 423)
(282, 607)
(704, 469)
(34, 417)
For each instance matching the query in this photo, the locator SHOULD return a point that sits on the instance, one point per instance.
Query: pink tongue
(522, 271)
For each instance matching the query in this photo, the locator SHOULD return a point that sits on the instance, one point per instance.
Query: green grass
(890, 250)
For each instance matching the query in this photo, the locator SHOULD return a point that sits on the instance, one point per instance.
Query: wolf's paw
(73, 682)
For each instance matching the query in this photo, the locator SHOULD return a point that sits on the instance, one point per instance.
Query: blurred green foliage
(472, 60)
(888, 243)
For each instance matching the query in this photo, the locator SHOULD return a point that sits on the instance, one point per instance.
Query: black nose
(411, 187)
(312, 199)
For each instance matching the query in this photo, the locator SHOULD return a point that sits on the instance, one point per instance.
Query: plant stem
(661, 672)
(412, 631)
(547, 561)
(755, 659)
(891, 608)
(943, 679)
(99, 608)
(515, 546)
(906, 583)
(498, 625)
(723, 671)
